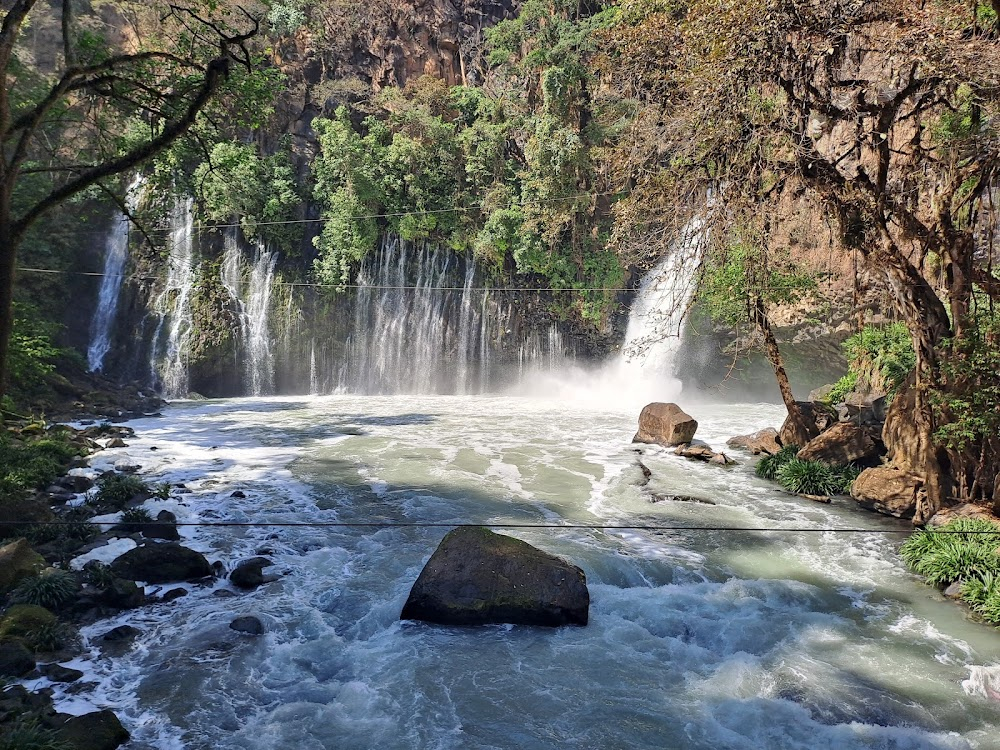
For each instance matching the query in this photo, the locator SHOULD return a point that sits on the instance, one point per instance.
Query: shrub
(116, 490)
(964, 549)
(31, 464)
(98, 574)
(50, 589)
(49, 637)
(808, 478)
(767, 467)
(844, 477)
(26, 734)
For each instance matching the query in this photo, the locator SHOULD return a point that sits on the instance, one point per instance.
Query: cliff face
(349, 52)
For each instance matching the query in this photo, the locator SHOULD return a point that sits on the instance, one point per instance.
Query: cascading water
(250, 290)
(173, 305)
(115, 258)
(414, 331)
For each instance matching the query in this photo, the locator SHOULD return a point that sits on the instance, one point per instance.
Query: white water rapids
(697, 639)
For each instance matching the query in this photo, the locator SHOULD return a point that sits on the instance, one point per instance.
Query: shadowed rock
(161, 563)
(476, 577)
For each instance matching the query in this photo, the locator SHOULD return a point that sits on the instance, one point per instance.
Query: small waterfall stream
(250, 290)
(115, 258)
(173, 305)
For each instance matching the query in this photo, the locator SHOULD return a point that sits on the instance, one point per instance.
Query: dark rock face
(845, 443)
(99, 730)
(762, 441)
(248, 624)
(15, 659)
(59, 673)
(665, 424)
(476, 577)
(887, 490)
(249, 574)
(161, 563)
(122, 594)
(164, 528)
(121, 634)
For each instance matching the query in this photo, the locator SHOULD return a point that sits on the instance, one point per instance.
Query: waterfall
(173, 305)
(655, 323)
(115, 257)
(414, 330)
(250, 290)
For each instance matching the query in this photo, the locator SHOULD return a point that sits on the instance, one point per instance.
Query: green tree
(64, 122)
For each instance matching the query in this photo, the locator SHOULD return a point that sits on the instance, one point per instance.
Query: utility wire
(499, 525)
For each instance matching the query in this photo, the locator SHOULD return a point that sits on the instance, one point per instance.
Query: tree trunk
(798, 429)
(8, 259)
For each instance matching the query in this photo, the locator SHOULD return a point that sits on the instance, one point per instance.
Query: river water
(697, 639)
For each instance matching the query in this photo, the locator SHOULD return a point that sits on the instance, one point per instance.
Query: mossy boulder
(161, 563)
(21, 620)
(477, 577)
(17, 562)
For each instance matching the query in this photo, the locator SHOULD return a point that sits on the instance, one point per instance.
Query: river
(776, 638)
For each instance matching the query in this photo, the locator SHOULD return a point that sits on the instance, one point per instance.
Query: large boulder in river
(161, 563)
(844, 443)
(476, 577)
(665, 424)
(99, 730)
(18, 561)
(887, 490)
(762, 441)
(249, 574)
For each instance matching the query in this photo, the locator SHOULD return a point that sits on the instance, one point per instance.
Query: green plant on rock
(49, 589)
(808, 478)
(27, 734)
(50, 637)
(98, 574)
(767, 467)
(115, 490)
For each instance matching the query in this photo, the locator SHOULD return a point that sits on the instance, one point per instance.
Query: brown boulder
(844, 443)
(762, 441)
(816, 417)
(17, 562)
(887, 490)
(963, 510)
(665, 424)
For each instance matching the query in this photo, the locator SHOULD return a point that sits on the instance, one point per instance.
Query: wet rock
(121, 634)
(99, 730)
(249, 574)
(122, 594)
(248, 624)
(721, 459)
(239, 494)
(223, 594)
(164, 528)
(167, 562)
(17, 562)
(477, 577)
(697, 451)
(173, 594)
(659, 498)
(954, 590)
(75, 484)
(59, 673)
(115, 443)
(15, 659)
(845, 443)
(887, 490)
(762, 441)
(127, 465)
(665, 424)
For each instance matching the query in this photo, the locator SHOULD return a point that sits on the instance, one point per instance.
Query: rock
(817, 416)
(665, 424)
(121, 634)
(127, 465)
(655, 498)
(17, 562)
(721, 459)
(21, 620)
(954, 590)
(845, 443)
(862, 409)
(122, 594)
(99, 730)
(75, 484)
(698, 451)
(477, 577)
(161, 563)
(887, 490)
(115, 443)
(59, 673)
(238, 494)
(962, 510)
(249, 574)
(248, 624)
(762, 441)
(173, 594)
(164, 528)
(15, 659)
(821, 393)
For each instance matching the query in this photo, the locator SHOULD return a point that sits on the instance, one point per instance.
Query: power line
(498, 525)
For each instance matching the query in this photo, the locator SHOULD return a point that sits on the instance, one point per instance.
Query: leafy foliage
(98, 574)
(960, 550)
(28, 464)
(49, 589)
(768, 467)
(115, 490)
(808, 478)
(880, 357)
(28, 734)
